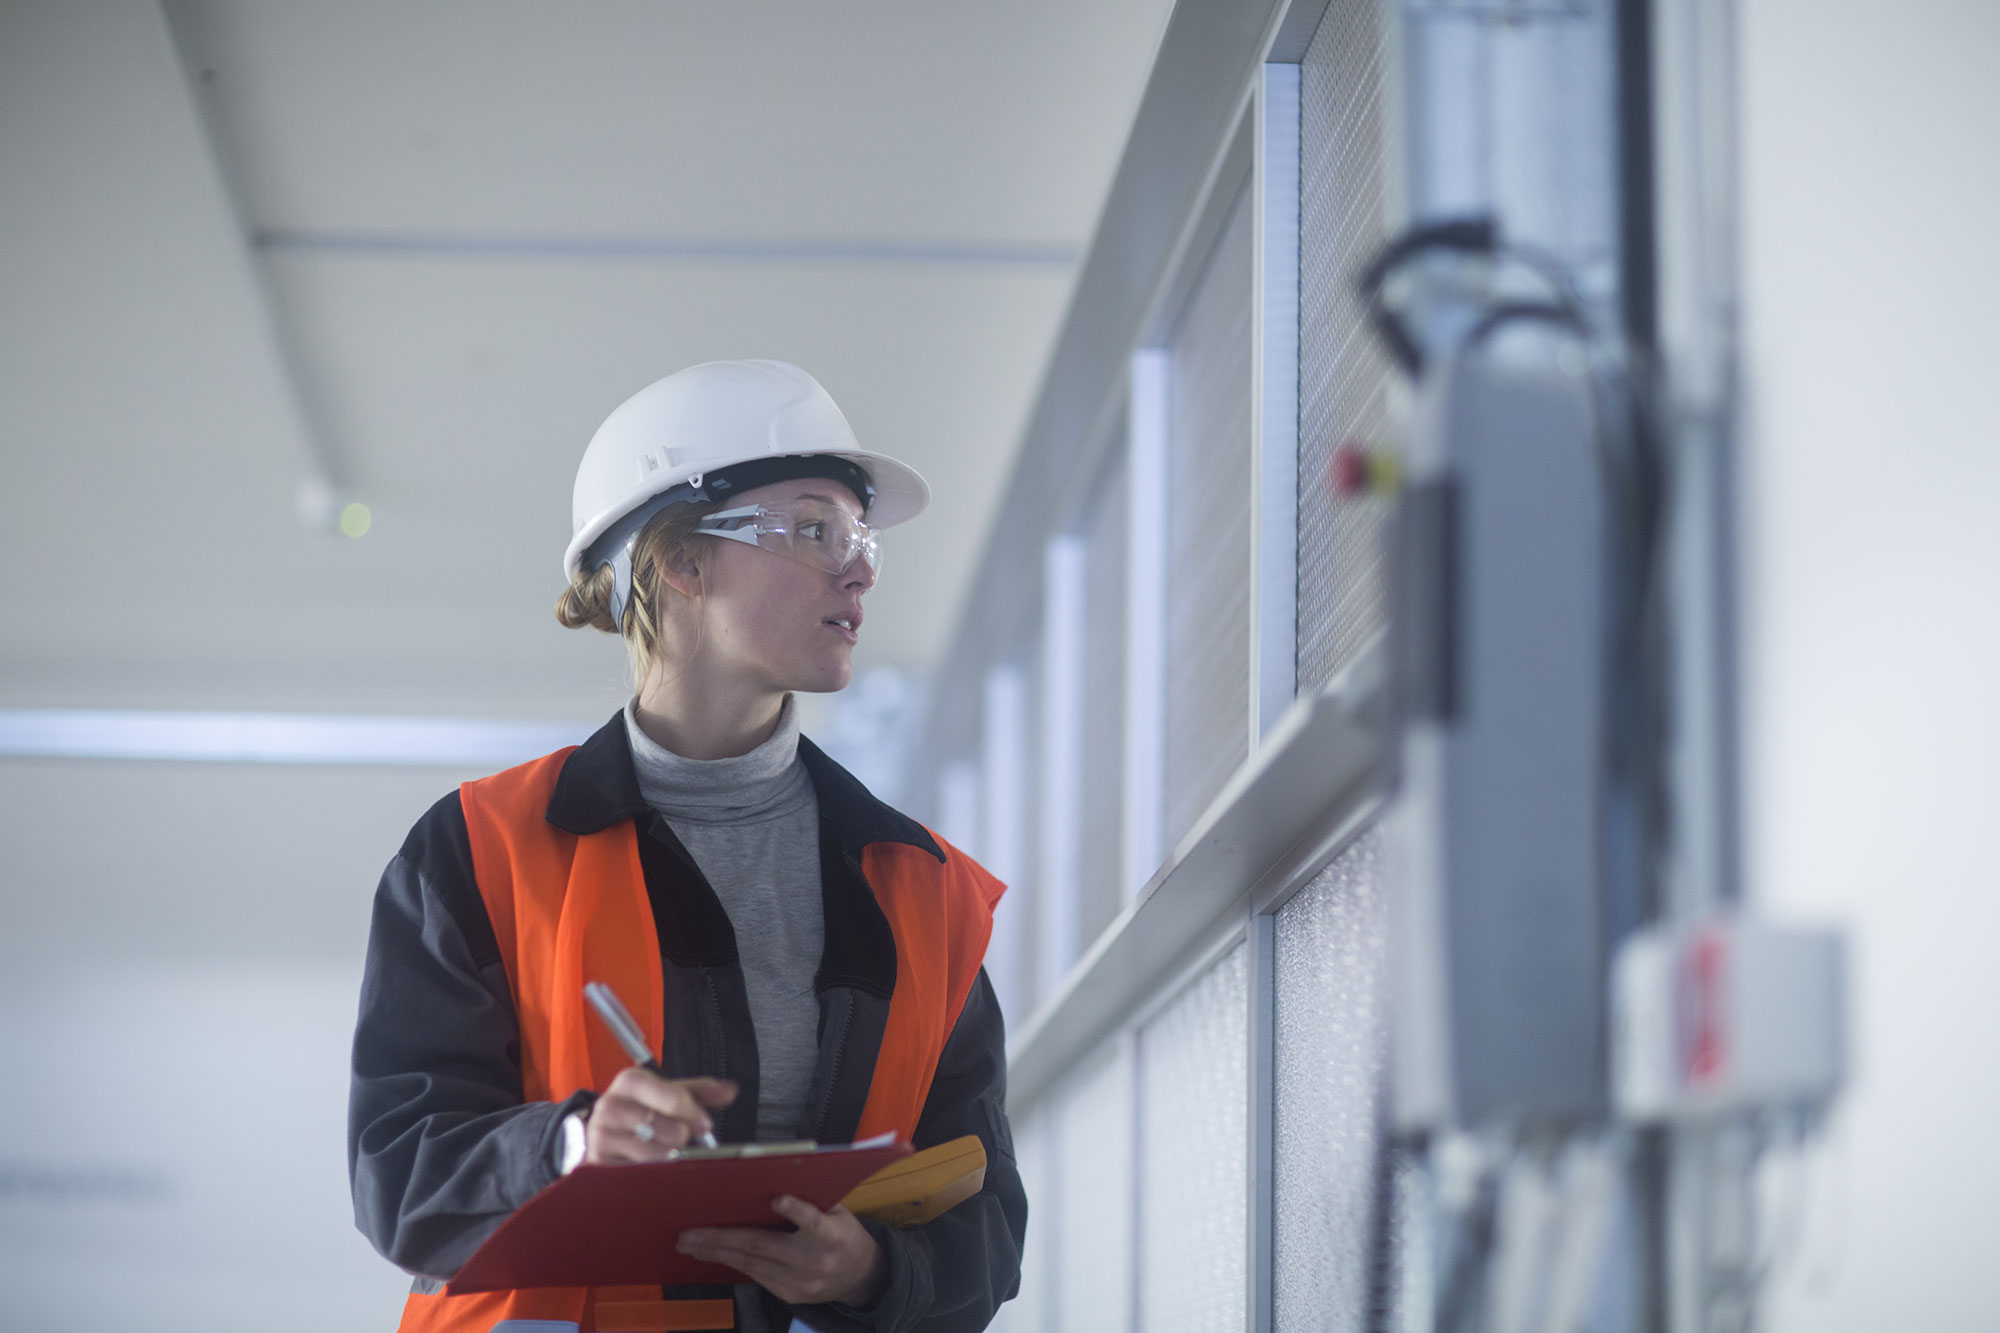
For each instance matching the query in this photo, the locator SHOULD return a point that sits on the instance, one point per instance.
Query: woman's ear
(679, 572)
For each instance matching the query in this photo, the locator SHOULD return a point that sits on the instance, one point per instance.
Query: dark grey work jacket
(441, 1147)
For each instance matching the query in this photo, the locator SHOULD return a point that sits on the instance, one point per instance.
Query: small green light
(355, 520)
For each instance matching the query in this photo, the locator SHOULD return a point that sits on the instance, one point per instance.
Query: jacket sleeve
(440, 1145)
(951, 1274)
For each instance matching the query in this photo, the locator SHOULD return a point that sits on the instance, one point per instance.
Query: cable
(1471, 1248)
(1475, 236)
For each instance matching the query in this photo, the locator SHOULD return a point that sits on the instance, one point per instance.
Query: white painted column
(1146, 621)
(1003, 830)
(1275, 404)
(1058, 884)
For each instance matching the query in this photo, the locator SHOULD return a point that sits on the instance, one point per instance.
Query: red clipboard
(604, 1226)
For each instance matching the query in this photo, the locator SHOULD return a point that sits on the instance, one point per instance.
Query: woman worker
(805, 959)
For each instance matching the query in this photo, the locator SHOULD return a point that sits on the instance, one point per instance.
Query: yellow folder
(919, 1187)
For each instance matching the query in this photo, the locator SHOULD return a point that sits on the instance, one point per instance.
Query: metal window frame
(1261, 1277)
(1264, 838)
(1274, 361)
(1282, 818)
(1311, 785)
(1228, 79)
(1232, 171)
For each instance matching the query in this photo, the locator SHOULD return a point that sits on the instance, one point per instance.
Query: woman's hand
(642, 1117)
(831, 1257)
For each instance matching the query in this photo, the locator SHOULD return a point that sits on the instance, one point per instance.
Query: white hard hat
(669, 441)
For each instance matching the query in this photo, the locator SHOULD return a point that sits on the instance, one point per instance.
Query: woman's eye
(813, 530)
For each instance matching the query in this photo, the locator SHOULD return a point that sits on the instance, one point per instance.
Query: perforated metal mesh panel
(1103, 530)
(1331, 1089)
(1194, 1156)
(1092, 1269)
(1209, 478)
(1343, 376)
(1028, 1311)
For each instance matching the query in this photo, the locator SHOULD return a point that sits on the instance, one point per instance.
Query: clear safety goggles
(812, 532)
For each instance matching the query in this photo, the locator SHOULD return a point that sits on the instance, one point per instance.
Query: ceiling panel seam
(694, 250)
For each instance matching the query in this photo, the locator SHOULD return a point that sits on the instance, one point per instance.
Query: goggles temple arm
(620, 555)
(621, 582)
(742, 511)
(745, 534)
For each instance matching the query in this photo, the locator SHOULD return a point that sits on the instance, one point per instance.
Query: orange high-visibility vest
(569, 909)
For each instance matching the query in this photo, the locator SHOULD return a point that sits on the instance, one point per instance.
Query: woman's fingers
(772, 1260)
(642, 1117)
(831, 1257)
(715, 1092)
(809, 1220)
(623, 1130)
(684, 1100)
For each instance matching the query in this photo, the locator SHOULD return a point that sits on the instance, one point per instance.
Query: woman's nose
(860, 574)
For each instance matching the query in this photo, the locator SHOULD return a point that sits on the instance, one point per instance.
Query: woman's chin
(827, 678)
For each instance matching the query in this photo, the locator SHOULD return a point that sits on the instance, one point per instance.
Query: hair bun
(587, 601)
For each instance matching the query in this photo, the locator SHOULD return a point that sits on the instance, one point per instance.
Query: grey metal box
(1492, 841)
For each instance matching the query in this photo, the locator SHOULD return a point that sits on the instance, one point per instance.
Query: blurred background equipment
(1504, 585)
(1491, 768)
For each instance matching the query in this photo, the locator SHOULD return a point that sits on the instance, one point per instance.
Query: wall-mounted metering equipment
(1524, 578)
(1501, 552)
(1725, 1014)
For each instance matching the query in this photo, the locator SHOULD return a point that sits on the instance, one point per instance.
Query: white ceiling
(429, 246)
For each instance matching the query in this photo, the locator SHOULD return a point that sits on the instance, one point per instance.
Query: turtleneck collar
(764, 783)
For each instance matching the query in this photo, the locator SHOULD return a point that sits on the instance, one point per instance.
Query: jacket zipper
(715, 1024)
(833, 1073)
(846, 1022)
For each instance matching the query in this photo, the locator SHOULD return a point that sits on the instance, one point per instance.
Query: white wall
(174, 1153)
(180, 959)
(1871, 167)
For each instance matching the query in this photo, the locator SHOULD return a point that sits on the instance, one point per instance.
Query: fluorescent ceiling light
(277, 738)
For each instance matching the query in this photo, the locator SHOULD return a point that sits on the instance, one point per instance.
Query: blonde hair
(587, 601)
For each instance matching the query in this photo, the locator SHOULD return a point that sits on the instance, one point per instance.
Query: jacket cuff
(551, 1145)
(905, 1294)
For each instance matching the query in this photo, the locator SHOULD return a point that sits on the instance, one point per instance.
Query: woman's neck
(708, 721)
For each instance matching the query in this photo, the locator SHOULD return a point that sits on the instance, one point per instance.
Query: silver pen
(619, 1020)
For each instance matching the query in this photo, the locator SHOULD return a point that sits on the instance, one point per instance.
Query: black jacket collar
(599, 786)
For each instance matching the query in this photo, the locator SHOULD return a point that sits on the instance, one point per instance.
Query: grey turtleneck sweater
(752, 825)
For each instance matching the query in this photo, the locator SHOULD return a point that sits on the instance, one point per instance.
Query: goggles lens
(812, 532)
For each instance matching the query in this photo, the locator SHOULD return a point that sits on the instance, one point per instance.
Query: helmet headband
(725, 483)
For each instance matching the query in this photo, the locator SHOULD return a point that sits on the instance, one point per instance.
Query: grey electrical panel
(1492, 842)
